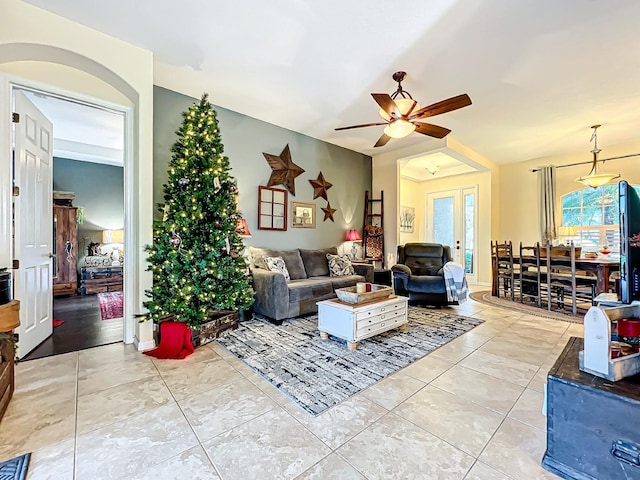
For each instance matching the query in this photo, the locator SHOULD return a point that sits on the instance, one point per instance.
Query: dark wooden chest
(100, 279)
(593, 424)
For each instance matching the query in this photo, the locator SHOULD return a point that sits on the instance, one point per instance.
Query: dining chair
(531, 279)
(505, 271)
(566, 287)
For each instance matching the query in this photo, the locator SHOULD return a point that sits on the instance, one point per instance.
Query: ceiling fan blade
(444, 106)
(387, 104)
(431, 130)
(360, 126)
(382, 140)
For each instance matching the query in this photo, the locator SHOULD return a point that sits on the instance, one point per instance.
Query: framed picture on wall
(303, 214)
(407, 219)
(272, 208)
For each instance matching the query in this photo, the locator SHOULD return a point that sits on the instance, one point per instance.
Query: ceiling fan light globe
(399, 129)
(403, 104)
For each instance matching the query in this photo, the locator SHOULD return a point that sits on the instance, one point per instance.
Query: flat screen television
(629, 243)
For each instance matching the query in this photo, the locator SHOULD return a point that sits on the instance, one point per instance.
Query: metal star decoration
(320, 187)
(284, 170)
(328, 213)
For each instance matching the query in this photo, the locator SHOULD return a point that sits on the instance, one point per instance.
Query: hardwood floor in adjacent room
(82, 328)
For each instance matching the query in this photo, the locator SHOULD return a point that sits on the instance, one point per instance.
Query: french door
(452, 219)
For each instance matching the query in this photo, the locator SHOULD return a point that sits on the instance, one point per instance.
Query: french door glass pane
(469, 233)
(443, 221)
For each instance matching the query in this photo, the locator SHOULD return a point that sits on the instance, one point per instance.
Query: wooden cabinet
(65, 258)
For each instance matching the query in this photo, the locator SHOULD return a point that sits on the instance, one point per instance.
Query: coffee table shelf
(357, 322)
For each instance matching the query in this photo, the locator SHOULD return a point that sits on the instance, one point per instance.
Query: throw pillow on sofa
(277, 265)
(340, 265)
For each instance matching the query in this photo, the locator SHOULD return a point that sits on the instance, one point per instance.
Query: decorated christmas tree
(194, 257)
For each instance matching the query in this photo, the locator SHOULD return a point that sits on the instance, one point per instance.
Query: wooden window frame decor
(272, 208)
(298, 220)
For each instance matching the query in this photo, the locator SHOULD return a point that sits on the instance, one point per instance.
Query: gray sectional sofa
(310, 281)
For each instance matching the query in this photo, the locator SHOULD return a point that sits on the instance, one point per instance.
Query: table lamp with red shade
(353, 236)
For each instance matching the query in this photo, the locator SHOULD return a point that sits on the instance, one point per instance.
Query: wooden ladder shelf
(372, 234)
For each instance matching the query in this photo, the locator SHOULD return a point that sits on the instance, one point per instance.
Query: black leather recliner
(418, 273)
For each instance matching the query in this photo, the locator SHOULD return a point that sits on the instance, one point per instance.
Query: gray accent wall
(99, 189)
(244, 140)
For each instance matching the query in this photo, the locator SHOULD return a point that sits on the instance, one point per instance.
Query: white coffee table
(357, 322)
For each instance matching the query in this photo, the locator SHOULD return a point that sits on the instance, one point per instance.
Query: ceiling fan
(401, 113)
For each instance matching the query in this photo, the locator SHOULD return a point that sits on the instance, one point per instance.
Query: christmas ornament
(227, 245)
(284, 171)
(175, 240)
(320, 187)
(165, 213)
(328, 213)
(183, 182)
(216, 183)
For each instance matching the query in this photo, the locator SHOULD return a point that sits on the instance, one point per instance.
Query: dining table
(602, 266)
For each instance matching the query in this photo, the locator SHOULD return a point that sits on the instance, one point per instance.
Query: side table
(382, 276)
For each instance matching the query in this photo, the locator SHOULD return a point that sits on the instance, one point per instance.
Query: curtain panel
(547, 205)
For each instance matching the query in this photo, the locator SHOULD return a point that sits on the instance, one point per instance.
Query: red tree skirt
(175, 341)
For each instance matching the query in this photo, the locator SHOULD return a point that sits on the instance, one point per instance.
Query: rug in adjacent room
(15, 468)
(319, 374)
(111, 305)
(486, 298)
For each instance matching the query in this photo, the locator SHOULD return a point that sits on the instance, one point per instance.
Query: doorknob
(51, 255)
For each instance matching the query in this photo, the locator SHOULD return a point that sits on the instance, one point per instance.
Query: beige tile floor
(470, 410)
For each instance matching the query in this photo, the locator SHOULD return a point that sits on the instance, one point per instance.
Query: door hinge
(16, 264)
(15, 117)
(16, 191)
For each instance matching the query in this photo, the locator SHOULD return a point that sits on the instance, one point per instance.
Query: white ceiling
(83, 132)
(539, 72)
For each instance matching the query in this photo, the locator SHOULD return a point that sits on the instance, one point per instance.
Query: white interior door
(452, 220)
(33, 165)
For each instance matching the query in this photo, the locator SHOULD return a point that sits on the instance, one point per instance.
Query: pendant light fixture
(595, 179)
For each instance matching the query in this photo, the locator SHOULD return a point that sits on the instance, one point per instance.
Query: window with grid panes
(594, 214)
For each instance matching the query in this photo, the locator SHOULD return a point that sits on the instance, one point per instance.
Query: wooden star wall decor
(328, 213)
(320, 187)
(284, 170)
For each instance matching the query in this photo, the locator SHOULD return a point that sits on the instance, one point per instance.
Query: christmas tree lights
(194, 260)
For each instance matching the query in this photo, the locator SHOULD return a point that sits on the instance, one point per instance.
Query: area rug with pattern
(318, 374)
(488, 299)
(15, 468)
(111, 305)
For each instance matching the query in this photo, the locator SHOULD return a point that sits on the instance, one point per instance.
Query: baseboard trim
(142, 346)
